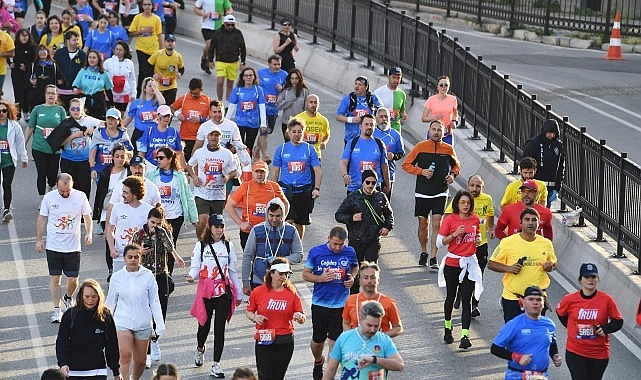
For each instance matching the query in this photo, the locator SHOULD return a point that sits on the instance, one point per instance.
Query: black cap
(170, 37)
(216, 220)
(395, 71)
(136, 161)
(533, 291)
(367, 174)
(589, 269)
(285, 20)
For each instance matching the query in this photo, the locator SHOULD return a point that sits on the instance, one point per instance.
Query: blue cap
(216, 220)
(112, 112)
(170, 37)
(137, 161)
(589, 269)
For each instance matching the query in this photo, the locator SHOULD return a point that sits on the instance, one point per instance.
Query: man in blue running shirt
(271, 79)
(356, 104)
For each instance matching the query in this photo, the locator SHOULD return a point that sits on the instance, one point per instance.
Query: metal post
(608, 22)
(479, 10)
(479, 59)
(370, 20)
(548, 9)
(600, 195)
(531, 120)
(315, 29)
(352, 34)
(448, 5)
(386, 34)
(564, 127)
(250, 10)
(502, 122)
(582, 169)
(441, 36)
(425, 91)
(488, 143)
(464, 87)
(402, 38)
(334, 25)
(512, 13)
(622, 178)
(417, 22)
(515, 161)
(418, 5)
(273, 15)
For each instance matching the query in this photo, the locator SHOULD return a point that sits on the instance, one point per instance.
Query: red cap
(530, 184)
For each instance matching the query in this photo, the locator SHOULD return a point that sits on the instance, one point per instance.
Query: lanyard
(280, 241)
(377, 218)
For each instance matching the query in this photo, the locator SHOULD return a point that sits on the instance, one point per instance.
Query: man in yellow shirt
(316, 125)
(513, 190)
(7, 50)
(525, 258)
(168, 68)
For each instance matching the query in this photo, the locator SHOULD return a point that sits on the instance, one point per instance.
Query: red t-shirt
(462, 245)
(583, 314)
(511, 218)
(278, 307)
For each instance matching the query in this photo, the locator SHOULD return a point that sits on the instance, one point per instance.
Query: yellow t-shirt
(316, 130)
(513, 193)
(56, 42)
(6, 45)
(147, 43)
(167, 66)
(76, 29)
(483, 207)
(510, 250)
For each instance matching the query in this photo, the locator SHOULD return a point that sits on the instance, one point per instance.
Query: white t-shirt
(212, 166)
(209, 7)
(229, 129)
(170, 197)
(63, 219)
(152, 195)
(114, 179)
(128, 220)
(386, 96)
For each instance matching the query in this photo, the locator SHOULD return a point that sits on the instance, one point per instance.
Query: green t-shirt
(5, 154)
(44, 119)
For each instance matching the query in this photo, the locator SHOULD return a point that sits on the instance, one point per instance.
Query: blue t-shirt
(527, 336)
(118, 33)
(350, 346)
(393, 143)
(103, 150)
(78, 148)
(268, 81)
(247, 101)
(103, 42)
(154, 139)
(83, 12)
(365, 156)
(296, 163)
(158, 11)
(331, 294)
(20, 6)
(362, 108)
(144, 113)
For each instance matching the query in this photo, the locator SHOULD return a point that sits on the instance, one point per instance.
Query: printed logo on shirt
(165, 191)
(588, 314)
(65, 222)
(128, 234)
(279, 305)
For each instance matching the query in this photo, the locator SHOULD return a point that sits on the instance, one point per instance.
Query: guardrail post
(548, 10)
(273, 15)
(478, 14)
(477, 91)
(515, 161)
(414, 91)
(582, 173)
(619, 253)
(334, 25)
(448, 4)
(564, 127)
(250, 10)
(463, 79)
(608, 22)
(315, 28)
(531, 113)
(425, 91)
(370, 19)
(386, 34)
(502, 122)
(600, 194)
(440, 50)
(352, 34)
(402, 37)
(488, 143)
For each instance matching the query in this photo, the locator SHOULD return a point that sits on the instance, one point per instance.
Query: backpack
(381, 147)
(202, 248)
(368, 99)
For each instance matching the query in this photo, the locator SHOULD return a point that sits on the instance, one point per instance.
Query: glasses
(74, 109)
(286, 24)
(158, 158)
(370, 182)
(443, 85)
(4, 110)
(42, 50)
(229, 25)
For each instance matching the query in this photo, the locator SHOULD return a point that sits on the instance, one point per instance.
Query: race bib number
(248, 106)
(585, 332)
(147, 115)
(260, 209)
(529, 375)
(214, 16)
(368, 165)
(393, 115)
(167, 11)
(109, 6)
(194, 113)
(296, 166)
(311, 138)
(4, 146)
(360, 113)
(165, 191)
(271, 99)
(166, 81)
(376, 375)
(106, 159)
(266, 336)
(339, 273)
(46, 132)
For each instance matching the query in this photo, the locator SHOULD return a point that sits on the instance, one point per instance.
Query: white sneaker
(155, 351)
(216, 371)
(7, 216)
(68, 302)
(148, 362)
(200, 357)
(56, 316)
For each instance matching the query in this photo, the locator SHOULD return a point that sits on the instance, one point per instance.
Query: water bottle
(432, 166)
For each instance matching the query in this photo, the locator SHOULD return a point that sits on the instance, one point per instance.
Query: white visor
(281, 267)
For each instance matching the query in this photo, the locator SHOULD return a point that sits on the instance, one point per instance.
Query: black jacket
(226, 46)
(85, 345)
(549, 155)
(62, 131)
(367, 229)
(69, 67)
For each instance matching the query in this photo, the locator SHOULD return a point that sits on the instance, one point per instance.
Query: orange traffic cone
(614, 49)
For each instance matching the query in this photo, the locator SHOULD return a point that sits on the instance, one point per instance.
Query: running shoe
(476, 312)
(156, 354)
(433, 263)
(204, 65)
(447, 337)
(7, 216)
(318, 370)
(422, 261)
(465, 343)
(148, 361)
(199, 358)
(68, 301)
(56, 316)
(216, 371)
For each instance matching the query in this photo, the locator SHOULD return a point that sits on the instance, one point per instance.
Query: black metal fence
(590, 16)
(604, 183)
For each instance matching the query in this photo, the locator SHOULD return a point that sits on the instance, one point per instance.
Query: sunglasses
(230, 25)
(158, 158)
(4, 110)
(286, 24)
(443, 85)
(370, 182)
(74, 109)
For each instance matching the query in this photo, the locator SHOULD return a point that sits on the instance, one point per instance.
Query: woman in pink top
(442, 106)
(460, 269)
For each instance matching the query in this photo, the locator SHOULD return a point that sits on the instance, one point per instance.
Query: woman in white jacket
(12, 149)
(123, 75)
(133, 299)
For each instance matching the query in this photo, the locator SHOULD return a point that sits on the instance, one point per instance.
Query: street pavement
(27, 338)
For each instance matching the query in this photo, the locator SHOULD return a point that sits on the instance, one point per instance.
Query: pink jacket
(205, 289)
(7, 18)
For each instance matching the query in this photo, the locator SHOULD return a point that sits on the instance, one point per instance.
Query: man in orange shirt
(252, 198)
(192, 109)
(369, 274)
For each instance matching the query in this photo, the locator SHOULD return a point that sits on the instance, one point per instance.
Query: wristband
(203, 119)
(350, 119)
(374, 359)
(318, 188)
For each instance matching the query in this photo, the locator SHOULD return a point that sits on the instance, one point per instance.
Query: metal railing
(603, 182)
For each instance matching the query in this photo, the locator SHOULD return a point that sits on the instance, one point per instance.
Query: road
(27, 338)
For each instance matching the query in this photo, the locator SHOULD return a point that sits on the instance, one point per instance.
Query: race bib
(194, 113)
(260, 209)
(109, 6)
(528, 375)
(393, 115)
(296, 166)
(46, 132)
(148, 115)
(166, 81)
(167, 11)
(271, 99)
(339, 273)
(376, 375)
(214, 16)
(165, 191)
(4, 146)
(248, 106)
(368, 165)
(266, 336)
(360, 113)
(106, 159)
(585, 332)
(311, 138)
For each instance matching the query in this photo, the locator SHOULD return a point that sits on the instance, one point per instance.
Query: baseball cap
(260, 165)
(216, 220)
(164, 110)
(229, 19)
(530, 184)
(215, 128)
(112, 112)
(137, 161)
(395, 71)
(367, 174)
(281, 267)
(533, 291)
(285, 20)
(170, 37)
(589, 269)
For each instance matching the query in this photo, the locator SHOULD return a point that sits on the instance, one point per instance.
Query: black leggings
(452, 286)
(163, 296)
(219, 305)
(7, 180)
(248, 135)
(47, 168)
(583, 368)
(272, 360)
(80, 172)
(135, 136)
(176, 225)
(365, 251)
(481, 256)
(145, 69)
(108, 259)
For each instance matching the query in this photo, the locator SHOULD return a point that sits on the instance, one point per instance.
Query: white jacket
(126, 68)
(133, 300)
(15, 137)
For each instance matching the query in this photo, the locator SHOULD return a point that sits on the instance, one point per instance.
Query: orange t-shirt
(278, 307)
(391, 317)
(189, 106)
(252, 198)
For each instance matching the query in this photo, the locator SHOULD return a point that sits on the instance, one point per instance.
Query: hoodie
(549, 155)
